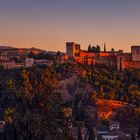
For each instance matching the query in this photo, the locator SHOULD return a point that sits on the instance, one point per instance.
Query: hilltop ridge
(7, 47)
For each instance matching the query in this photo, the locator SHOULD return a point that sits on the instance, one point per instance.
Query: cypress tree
(104, 47)
(133, 137)
(89, 48)
(86, 60)
(138, 132)
(92, 67)
(79, 134)
(91, 134)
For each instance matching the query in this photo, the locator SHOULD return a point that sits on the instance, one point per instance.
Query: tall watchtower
(72, 49)
(135, 50)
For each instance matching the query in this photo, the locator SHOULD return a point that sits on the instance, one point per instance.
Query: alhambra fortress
(94, 55)
(11, 57)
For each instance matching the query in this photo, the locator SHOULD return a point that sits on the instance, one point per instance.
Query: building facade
(72, 49)
(8, 53)
(116, 58)
(129, 60)
(29, 62)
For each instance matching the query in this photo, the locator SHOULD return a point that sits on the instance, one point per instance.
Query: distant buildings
(60, 57)
(7, 53)
(29, 62)
(114, 126)
(129, 60)
(8, 64)
(94, 55)
(11, 57)
(135, 53)
(114, 132)
(110, 137)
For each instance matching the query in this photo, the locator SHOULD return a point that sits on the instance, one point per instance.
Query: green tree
(138, 133)
(66, 134)
(98, 48)
(91, 133)
(35, 105)
(112, 50)
(133, 137)
(89, 48)
(79, 134)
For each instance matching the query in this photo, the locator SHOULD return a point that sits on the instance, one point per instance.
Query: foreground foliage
(29, 103)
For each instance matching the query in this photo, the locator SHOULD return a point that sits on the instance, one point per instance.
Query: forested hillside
(31, 103)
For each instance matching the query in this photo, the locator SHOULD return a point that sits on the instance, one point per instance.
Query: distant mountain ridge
(7, 47)
(2, 47)
(27, 50)
(33, 48)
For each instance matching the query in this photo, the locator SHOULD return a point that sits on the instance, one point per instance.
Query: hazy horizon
(50, 24)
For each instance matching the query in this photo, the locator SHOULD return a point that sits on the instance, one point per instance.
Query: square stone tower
(135, 50)
(72, 49)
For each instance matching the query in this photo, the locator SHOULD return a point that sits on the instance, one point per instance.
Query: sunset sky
(48, 24)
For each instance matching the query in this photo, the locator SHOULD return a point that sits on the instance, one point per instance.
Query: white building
(8, 64)
(110, 137)
(135, 53)
(114, 126)
(29, 62)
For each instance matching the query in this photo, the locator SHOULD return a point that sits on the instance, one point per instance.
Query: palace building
(129, 60)
(94, 55)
